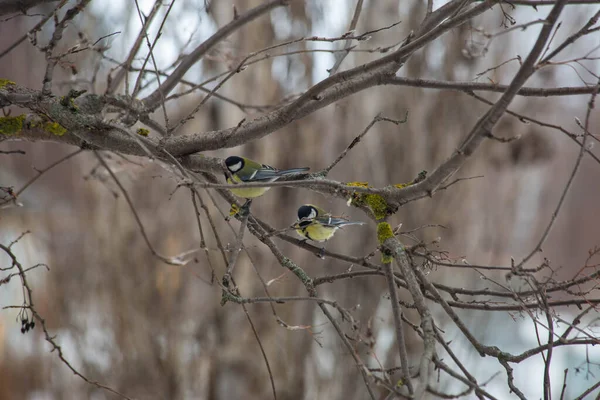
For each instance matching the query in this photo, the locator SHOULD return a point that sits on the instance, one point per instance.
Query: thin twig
(12, 152)
(564, 387)
(339, 58)
(29, 305)
(44, 170)
(397, 313)
(467, 86)
(262, 350)
(571, 39)
(588, 391)
(113, 83)
(444, 367)
(151, 55)
(169, 84)
(378, 118)
(164, 259)
(35, 29)
(56, 37)
(525, 118)
(235, 252)
(582, 149)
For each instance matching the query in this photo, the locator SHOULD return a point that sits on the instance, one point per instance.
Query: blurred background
(155, 331)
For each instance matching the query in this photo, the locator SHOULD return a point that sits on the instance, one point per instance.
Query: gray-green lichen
(55, 128)
(376, 202)
(11, 125)
(384, 232)
(5, 82)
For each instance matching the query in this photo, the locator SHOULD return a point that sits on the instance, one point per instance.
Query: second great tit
(318, 225)
(244, 170)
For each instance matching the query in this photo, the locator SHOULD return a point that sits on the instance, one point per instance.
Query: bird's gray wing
(267, 173)
(337, 222)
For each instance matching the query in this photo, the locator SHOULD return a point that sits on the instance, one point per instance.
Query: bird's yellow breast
(247, 193)
(317, 232)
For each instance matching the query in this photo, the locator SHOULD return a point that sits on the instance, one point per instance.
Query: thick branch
(326, 92)
(336, 87)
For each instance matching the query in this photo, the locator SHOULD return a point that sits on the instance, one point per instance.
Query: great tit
(318, 225)
(244, 170)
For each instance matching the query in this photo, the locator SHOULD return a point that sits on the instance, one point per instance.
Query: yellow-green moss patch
(384, 232)
(359, 184)
(69, 102)
(55, 128)
(378, 205)
(143, 132)
(421, 177)
(5, 82)
(11, 125)
(376, 202)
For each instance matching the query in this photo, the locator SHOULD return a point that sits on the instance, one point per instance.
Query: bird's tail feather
(291, 171)
(338, 222)
(350, 223)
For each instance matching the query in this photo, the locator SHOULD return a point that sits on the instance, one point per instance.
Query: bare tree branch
(487, 87)
(569, 182)
(543, 293)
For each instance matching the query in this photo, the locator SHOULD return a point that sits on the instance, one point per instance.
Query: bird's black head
(234, 163)
(306, 212)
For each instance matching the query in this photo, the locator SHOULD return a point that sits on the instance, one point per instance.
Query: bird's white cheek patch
(235, 167)
(313, 214)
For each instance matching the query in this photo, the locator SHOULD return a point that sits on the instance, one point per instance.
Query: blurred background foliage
(155, 331)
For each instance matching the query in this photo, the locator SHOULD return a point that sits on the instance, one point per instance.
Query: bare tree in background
(120, 256)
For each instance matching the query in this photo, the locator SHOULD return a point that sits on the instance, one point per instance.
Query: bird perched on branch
(244, 170)
(318, 225)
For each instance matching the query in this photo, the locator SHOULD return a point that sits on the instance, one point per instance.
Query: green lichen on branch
(376, 202)
(5, 82)
(378, 205)
(55, 128)
(299, 272)
(384, 232)
(143, 132)
(227, 296)
(421, 177)
(11, 125)
(358, 184)
(69, 102)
